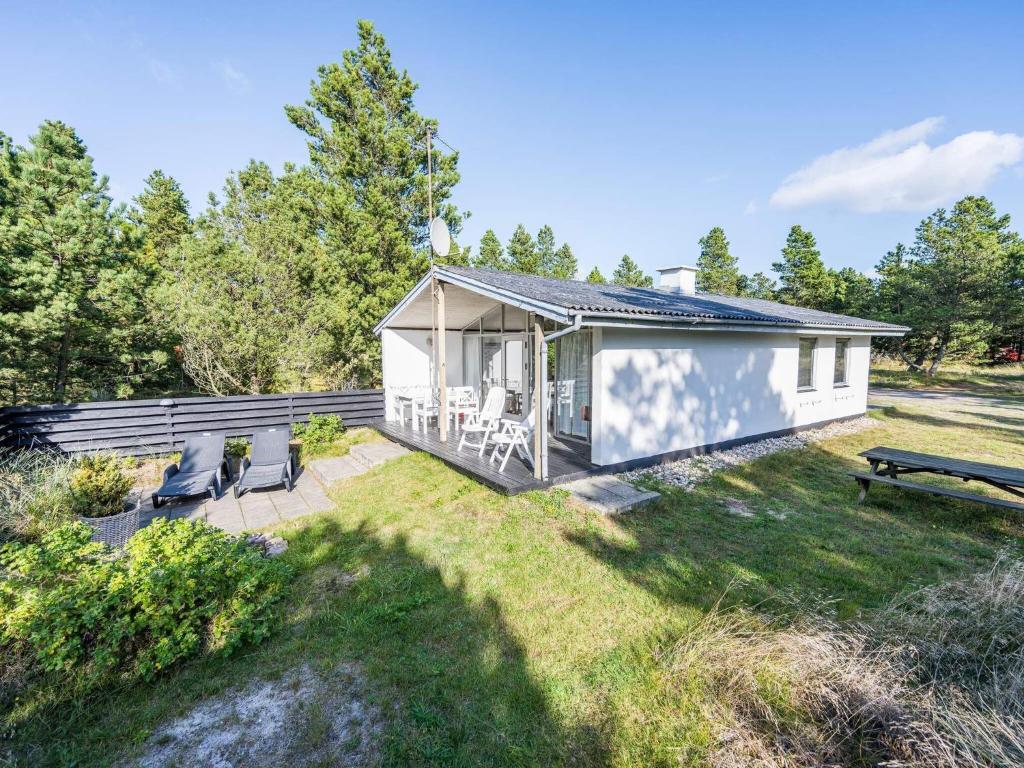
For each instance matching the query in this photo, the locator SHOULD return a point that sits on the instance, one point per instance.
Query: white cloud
(900, 171)
(162, 72)
(233, 78)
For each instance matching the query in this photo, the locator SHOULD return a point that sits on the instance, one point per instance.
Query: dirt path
(956, 404)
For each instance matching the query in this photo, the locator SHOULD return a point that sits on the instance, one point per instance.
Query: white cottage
(625, 376)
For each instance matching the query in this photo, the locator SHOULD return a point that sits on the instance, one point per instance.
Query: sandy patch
(303, 718)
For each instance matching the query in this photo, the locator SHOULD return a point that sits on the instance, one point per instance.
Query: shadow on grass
(450, 680)
(801, 537)
(1006, 430)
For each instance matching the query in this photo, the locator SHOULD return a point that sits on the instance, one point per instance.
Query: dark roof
(594, 299)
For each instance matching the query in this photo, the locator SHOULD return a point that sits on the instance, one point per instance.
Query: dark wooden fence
(140, 427)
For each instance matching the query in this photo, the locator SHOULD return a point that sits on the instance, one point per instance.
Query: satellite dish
(440, 238)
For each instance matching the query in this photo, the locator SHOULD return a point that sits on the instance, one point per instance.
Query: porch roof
(562, 300)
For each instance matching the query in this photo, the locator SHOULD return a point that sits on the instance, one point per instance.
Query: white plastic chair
(484, 421)
(514, 435)
(461, 402)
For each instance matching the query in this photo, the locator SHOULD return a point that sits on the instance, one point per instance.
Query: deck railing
(140, 427)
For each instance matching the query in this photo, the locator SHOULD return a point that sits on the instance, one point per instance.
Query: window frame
(845, 381)
(814, 363)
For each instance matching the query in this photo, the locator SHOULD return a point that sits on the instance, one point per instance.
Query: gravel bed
(687, 473)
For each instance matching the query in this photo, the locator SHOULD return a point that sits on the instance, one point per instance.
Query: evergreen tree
(855, 293)
(717, 270)
(522, 253)
(629, 273)
(596, 277)
(564, 267)
(805, 281)
(545, 251)
(257, 295)
(368, 153)
(162, 218)
(59, 235)
(491, 254)
(757, 286)
(959, 258)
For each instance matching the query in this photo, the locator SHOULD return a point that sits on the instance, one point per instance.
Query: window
(842, 347)
(805, 375)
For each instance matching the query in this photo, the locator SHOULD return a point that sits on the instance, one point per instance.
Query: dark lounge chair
(270, 464)
(198, 471)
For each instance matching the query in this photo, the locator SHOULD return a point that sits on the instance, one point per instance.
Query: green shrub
(85, 617)
(99, 485)
(34, 493)
(236, 447)
(319, 432)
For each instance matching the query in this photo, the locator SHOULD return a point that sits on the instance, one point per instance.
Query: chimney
(682, 279)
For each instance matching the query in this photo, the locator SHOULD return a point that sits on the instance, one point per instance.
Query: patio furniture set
(203, 463)
(481, 426)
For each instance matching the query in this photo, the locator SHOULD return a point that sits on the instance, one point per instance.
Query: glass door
(572, 386)
(515, 375)
(490, 348)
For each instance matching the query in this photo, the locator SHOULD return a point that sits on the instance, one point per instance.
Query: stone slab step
(608, 494)
(373, 454)
(335, 468)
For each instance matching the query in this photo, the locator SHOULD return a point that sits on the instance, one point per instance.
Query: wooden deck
(565, 462)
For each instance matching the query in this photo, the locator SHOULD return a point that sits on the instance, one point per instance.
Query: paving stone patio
(266, 507)
(255, 509)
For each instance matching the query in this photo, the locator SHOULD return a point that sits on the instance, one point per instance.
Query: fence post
(168, 406)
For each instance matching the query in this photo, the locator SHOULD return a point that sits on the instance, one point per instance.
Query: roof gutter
(625, 319)
(577, 323)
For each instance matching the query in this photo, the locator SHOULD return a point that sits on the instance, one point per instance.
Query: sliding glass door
(498, 360)
(572, 386)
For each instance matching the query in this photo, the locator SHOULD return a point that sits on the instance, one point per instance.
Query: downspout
(542, 420)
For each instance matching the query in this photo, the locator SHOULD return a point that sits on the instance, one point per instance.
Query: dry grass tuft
(33, 492)
(935, 681)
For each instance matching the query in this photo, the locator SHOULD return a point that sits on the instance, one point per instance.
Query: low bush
(34, 493)
(319, 432)
(236, 447)
(84, 617)
(99, 484)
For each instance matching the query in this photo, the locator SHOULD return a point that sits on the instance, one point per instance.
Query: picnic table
(889, 464)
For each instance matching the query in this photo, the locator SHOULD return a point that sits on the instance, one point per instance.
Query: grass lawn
(530, 631)
(999, 380)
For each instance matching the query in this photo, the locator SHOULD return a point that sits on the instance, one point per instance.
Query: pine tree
(162, 218)
(565, 266)
(545, 251)
(855, 293)
(717, 270)
(257, 294)
(805, 281)
(491, 254)
(522, 253)
(368, 153)
(596, 277)
(757, 286)
(60, 234)
(629, 273)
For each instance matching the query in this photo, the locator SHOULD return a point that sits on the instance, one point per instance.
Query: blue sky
(628, 128)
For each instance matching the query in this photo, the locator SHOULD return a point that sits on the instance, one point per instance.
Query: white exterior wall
(657, 391)
(406, 359)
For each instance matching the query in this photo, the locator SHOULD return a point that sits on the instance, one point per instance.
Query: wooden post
(442, 366)
(539, 370)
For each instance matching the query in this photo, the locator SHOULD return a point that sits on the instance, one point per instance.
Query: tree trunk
(63, 354)
(940, 353)
(917, 363)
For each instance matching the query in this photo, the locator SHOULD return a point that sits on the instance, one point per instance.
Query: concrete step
(335, 468)
(371, 455)
(608, 494)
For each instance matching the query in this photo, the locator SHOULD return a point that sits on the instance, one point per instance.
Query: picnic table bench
(889, 464)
